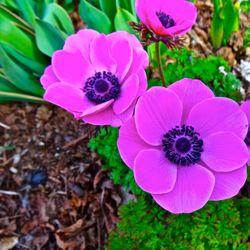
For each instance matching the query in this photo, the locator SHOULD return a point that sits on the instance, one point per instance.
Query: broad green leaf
(22, 41)
(33, 65)
(124, 4)
(231, 20)
(48, 38)
(57, 16)
(12, 96)
(7, 86)
(245, 5)
(41, 6)
(109, 7)
(121, 20)
(19, 75)
(26, 11)
(94, 18)
(217, 28)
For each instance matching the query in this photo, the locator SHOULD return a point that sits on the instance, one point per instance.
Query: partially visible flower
(186, 146)
(97, 77)
(164, 19)
(246, 108)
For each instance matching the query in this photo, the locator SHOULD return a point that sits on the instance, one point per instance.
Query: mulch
(53, 192)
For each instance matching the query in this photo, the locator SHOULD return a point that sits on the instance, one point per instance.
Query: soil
(53, 192)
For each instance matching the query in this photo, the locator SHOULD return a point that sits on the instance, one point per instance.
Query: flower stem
(158, 57)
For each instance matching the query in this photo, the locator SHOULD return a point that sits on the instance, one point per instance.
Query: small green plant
(219, 225)
(225, 21)
(108, 15)
(30, 32)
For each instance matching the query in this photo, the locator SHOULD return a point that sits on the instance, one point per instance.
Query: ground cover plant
(163, 96)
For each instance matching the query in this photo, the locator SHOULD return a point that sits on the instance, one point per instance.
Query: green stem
(158, 57)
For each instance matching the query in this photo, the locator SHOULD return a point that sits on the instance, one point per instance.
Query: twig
(75, 142)
(158, 57)
(9, 192)
(4, 125)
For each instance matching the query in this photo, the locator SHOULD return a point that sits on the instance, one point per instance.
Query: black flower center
(247, 139)
(182, 145)
(166, 20)
(102, 87)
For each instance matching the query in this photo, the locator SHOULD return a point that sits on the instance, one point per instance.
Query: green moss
(220, 225)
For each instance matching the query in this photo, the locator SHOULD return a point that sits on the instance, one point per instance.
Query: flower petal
(246, 109)
(143, 83)
(128, 94)
(224, 152)
(100, 55)
(190, 93)
(122, 53)
(80, 42)
(48, 77)
(218, 114)
(153, 172)
(105, 117)
(192, 190)
(228, 184)
(67, 96)
(158, 110)
(129, 136)
(71, 67)
(96, 108)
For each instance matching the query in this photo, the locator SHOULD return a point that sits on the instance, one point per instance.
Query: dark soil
(53, 193)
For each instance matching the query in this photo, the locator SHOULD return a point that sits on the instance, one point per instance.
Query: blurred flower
(246, 108)
(97, 77)
(164, 20)
(186, 146)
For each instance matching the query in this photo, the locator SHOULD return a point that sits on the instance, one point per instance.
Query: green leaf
(109, 7)
(26, 11)
(33, 65)
(12, 96)
(7, 86)
(94, 18)
(48, 38)
(58, 17)
(121, 20)
(19, 75)
(245, 5)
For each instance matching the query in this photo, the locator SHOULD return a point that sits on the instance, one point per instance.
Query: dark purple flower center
(182, 145)
(247, 139)
(166, 20)
(102, 87)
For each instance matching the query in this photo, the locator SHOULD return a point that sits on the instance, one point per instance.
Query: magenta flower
(246, 108)
(167, 17)
(97, 77)
(186, 146)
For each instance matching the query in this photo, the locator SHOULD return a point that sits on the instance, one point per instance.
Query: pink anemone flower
(97, 77)
(186, 146)
(167, 17)
(246, 108)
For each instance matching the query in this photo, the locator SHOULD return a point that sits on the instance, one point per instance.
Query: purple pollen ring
(182, 145)
(247, 139)
(102, 87)
(166, 20)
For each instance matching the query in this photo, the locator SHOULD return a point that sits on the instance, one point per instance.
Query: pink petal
(158, 110)
(100, 55)
(48, 77)
(128, 94)
(129, 143)
(218, 114)
(66, 96)
(71, 68)
(143, 83)
(105, 117)
(96, 108)
(80, 42)
(179, 29)
(153, 172)
(228, 184)
(122, 53)
(246, 108)
(224, 152)
(192, 190)
(190, 93)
